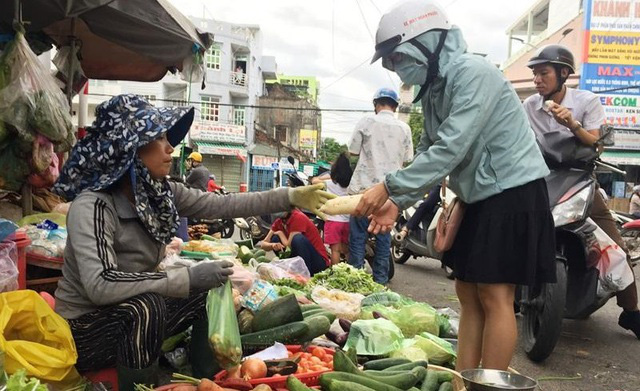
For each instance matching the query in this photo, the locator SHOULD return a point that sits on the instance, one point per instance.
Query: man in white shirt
(576, 113)
(383, 144)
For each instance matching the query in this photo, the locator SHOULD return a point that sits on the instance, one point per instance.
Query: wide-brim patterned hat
(123, 124)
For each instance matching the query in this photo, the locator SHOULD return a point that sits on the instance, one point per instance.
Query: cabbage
(412, 319)
(437, 349)
(376, 337)
(410, 351)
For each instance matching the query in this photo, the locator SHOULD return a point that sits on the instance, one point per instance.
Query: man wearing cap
(198, 177)
(576, 115)
(382, 143)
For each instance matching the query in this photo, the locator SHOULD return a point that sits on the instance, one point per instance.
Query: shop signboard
(308, 139)
(611, 63)
(222, 149)
(260, 161)
(216, 132)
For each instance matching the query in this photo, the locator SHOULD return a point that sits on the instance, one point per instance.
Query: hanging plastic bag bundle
(224, 334)
(31, 101)
(615, 274)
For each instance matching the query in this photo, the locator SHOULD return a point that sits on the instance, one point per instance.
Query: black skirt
(507, 238)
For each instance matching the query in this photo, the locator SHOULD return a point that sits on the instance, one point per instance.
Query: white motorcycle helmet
(406, 21)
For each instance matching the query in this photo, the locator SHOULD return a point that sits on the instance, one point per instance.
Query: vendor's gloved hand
(207, 275)
(310, 198)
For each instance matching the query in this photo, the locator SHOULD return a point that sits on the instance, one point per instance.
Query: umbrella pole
(72, 52)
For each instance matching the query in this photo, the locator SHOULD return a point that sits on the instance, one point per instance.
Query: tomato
(315, 360)
(319, 352)
(328, 358)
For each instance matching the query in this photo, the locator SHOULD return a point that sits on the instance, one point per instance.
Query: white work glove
(310, 198)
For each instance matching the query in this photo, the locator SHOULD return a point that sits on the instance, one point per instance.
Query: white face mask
(411, 72)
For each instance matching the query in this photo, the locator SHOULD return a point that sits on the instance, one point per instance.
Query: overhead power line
(318, 109)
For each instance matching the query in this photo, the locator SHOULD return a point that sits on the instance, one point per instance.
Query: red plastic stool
(107, 375)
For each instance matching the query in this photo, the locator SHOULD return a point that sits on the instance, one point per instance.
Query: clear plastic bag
(8, 266)
(344, 304)
(260, 294)
(242, 279)
(375, 337)
(294, 266)
(224, 334)
(31, 101)
(615, 274)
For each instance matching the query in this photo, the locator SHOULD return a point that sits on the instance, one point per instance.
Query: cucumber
(338, 385)
(318, 325)
(403, 381)
(259, 253)
(330, 315)
(294, 384)
(195, 254)
(353, 355)
(342, 363)
(408, 366)
(413, 389)
(262, 259)
(245, 254)
(308, 307)
(385, 363)
(289, 333)
(247, 243)
(444, 376)
(446, 386)
(327, 378)
(208, 237)
(430, 382)
(277, 313)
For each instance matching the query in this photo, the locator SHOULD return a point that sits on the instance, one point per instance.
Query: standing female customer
(477, 133)
(124, 212)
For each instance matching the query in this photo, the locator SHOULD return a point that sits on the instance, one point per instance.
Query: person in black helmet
(558, 108)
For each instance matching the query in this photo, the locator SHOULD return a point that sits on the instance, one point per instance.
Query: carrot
(208, 385)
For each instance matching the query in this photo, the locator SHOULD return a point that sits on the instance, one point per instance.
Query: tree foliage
(330, 149)
(416, 123)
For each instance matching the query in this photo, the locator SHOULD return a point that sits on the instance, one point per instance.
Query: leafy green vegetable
(410, 351)
(20, 382)
(347, 278)
(289, 282)
(437, 349)
(412, 318)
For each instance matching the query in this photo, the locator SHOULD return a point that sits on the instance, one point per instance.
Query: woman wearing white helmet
(477, 133)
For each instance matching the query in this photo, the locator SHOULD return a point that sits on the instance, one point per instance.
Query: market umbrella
(119, 39)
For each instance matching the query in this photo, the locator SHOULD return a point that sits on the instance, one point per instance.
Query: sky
(334, 41)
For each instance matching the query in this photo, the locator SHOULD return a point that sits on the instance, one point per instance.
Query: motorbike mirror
(291, 160)
(607, 135)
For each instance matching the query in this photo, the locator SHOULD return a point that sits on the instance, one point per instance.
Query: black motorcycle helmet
(559, 57)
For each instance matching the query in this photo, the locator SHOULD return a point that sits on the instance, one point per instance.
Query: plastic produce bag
(413, 318)
(260, 294)
(295, 266)
(375, 337)
(35, 338)
(31, 101)
(8, 267)
(224, 335)
(242, 279)
(437, 349)
(615, 273)
(452, 319)
(343, 304)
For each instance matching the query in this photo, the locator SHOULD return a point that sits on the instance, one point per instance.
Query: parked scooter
(630, 232)
(574, 295)
(225, 227)
(418, 242)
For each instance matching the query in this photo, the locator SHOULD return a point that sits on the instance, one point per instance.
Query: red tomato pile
(316, 361)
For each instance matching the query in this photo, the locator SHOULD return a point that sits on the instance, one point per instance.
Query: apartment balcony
(239, 84)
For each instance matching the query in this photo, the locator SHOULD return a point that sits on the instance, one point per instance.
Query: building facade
(604, 37)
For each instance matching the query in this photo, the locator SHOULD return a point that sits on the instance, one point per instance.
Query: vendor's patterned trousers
(131, 333)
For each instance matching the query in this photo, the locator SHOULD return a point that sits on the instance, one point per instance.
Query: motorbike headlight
(573, 209)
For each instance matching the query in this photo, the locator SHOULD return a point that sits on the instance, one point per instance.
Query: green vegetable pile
(20, 382)
(290, 283)
(347, 278)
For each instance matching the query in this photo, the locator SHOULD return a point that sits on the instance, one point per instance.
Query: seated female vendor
(124, 212)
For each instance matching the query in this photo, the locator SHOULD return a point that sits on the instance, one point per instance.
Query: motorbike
(418, 242)
(575, 294)
(226, 227)
(630, 233)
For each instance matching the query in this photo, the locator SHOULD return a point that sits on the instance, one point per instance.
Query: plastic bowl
(495, 380)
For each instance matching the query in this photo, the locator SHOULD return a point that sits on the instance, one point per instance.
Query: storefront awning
(631, 158)
(208, 148)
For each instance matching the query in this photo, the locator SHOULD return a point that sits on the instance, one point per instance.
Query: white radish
(341, 205)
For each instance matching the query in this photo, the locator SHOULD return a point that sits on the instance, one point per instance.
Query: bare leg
(472, 320)
(335, 253)
(500, 329)
(345, 250)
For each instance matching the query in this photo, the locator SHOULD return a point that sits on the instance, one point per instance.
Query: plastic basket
(310, 379)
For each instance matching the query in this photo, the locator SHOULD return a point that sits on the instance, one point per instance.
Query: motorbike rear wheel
(397, 255)
(228, 228)
(631, 237)
(543, 309)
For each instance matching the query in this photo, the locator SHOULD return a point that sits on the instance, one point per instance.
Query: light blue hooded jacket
(475, 130)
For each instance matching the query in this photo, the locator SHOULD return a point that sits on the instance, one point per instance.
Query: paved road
(604, 356)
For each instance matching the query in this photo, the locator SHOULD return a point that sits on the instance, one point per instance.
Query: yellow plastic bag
(34, 337)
